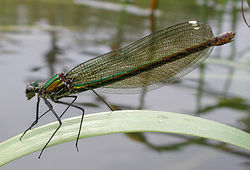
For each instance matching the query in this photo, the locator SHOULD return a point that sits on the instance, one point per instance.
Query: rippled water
(42, 38)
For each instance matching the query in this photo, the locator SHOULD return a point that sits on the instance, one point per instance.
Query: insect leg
(36, 120)
(59, 121)
(78, 107)
(68, 104)
(104, 101)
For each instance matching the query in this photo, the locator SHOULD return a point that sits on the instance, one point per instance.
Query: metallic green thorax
(49, 83)
(56, 87)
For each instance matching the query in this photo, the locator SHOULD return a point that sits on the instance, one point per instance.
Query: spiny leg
(110, 107)
(60, 123)
(69, 104)
(33, 124)
(36, 120)
(78, 107)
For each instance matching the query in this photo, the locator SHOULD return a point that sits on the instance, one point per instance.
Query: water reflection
(141, 137)
(88, 30)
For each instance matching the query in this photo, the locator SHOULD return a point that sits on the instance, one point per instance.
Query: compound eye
(30, 92)
(29, 89)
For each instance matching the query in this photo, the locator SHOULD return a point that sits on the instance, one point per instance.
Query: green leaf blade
(122, 122)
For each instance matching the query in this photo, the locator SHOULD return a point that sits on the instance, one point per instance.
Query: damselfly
(151, 62)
